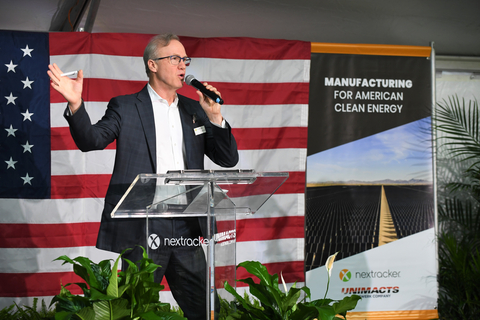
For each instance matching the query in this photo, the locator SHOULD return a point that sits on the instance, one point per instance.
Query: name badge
(199, 130)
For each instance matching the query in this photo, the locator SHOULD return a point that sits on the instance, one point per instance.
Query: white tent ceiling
(454, 26)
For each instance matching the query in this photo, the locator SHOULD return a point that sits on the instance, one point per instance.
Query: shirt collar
(154, 96)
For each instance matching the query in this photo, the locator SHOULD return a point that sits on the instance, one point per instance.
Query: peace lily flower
(329, 266)
(283, 281)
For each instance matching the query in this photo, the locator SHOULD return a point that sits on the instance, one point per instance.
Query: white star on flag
(27, 115)
(27, 51)
(11, 131)
(11, 98)
(27, 179)
(11, 66)
(27, 147)
(11, 163)
(27, 83)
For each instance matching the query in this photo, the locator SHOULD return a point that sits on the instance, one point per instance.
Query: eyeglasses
(175, 60)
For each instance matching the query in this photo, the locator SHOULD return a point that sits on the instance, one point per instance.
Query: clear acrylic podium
(215, 197)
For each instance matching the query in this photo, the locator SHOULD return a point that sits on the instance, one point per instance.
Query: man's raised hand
(70, 89)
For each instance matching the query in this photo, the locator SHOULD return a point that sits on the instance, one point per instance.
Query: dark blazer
(129, 120)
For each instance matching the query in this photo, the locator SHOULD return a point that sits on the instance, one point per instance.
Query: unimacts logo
(345, 275)
(371, 290)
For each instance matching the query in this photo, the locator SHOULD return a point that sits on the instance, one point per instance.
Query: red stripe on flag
(13, 235)
(295, 183)
(102, 90)
(271, 138)
(61, 139)
(63, 43)
(270, 228)
(85, 234)
(48, 283)
(222, 48)
(80, 186)
(37, 284)
(246, 48)
(256, 93)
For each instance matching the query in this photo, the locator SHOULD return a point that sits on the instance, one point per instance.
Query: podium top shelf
(176, 193)
(218, 176)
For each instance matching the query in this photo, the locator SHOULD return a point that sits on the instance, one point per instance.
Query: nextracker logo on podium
(222, 238)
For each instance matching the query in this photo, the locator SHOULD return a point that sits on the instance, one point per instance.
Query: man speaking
(155, 131)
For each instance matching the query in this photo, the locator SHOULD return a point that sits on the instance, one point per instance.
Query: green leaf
(346, 304)
(132, 268)
(63, 315)
(258, 270)
(304, 312)
(259, 291)
(162, 315)
(291, 298)
(111, 310)
(112, 289)
(65, 259)
(86, 314)
(98, 295)
(71, 303)
(320, 302)
(326, 312)
(82, 272)
(307, 291)
(124, 288)
(238, 297)
(87, 273)
(247, 306)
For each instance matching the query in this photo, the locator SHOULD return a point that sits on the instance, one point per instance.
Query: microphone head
(189, 79)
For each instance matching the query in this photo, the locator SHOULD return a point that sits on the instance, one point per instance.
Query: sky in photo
(402, 153)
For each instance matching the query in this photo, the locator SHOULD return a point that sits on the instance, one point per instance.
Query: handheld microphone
(190, 80)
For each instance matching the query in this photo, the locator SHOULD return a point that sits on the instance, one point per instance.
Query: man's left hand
(211, 108)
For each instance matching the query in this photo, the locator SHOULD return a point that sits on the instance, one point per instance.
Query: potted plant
(458, 150)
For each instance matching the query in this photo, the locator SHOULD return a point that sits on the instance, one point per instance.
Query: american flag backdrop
(51, 194)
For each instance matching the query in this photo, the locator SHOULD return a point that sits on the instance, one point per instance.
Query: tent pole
(92, 14)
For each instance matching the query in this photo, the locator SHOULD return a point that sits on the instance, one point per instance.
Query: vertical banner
(369, 180)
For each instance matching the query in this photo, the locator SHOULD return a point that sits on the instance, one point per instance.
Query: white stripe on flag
(271, 251)
(99, 66)
(90, 209)
(268, 160)
(266, 116)
(51, 211)
(95, 110)
(248, 71)
(245, 116)
(31, 260)
(71, 162)
(102, 66)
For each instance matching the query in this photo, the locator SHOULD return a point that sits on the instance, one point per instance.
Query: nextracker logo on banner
(370, 291)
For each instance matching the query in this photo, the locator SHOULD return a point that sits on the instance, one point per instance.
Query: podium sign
(215, 198)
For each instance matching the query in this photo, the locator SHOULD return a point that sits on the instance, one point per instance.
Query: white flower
(283, 281)
(329, 264)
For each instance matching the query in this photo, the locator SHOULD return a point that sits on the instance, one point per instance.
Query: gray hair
(159, 41)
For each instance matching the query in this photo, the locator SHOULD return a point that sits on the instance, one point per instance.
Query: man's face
(168, 75)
